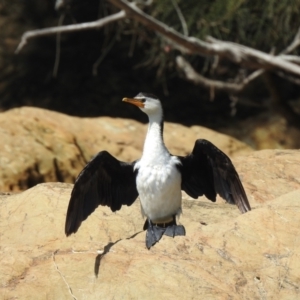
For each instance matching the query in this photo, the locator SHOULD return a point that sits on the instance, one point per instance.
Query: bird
(157, 178)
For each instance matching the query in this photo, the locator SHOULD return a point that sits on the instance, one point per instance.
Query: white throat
(154, 146)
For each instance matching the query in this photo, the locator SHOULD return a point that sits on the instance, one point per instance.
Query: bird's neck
(154, 145)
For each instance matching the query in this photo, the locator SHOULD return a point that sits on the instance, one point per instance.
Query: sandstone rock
(225, 255)
(266, 131)
(38, 145)
(268, 174)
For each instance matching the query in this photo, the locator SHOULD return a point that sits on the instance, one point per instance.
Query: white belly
(159, 187)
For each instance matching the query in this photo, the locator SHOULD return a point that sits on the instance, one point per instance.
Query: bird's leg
(173, 229)
(156, 231)
(153, 234)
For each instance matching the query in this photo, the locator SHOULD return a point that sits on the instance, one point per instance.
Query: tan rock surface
(225, 255)
(267, 130)
(268, 174)
(38, 145)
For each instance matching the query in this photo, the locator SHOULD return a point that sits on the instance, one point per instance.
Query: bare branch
(181, 18)
(69, 28)
(57, 50)
(191, 45)
(236, 53)
(102, 56)
(229, 87)
(194, 76)
(295, 43)
(255, 58)
(293, 58)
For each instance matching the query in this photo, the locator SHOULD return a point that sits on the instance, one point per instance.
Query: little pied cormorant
(157, 178)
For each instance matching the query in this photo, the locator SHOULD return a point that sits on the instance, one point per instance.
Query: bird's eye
(143, 100)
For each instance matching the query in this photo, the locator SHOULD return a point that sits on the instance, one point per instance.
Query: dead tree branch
(242, 55)
(293, 58)
(253, 58)
(69, 28)
(229, 87)
(285, 65)
(195, 77)
(236, 53)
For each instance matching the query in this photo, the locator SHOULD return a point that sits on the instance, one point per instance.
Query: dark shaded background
(26, 78)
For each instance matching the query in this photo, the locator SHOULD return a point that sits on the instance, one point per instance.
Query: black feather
(209, 171)
(104, 181)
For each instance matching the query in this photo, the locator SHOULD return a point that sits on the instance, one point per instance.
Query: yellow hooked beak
(134, 101)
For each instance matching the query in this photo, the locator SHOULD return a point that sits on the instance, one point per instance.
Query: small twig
(57, 50)
(295, 43)
(215, 64)
(132, 44)
(233, 102)
(102, 56)
(181, 18)
(69, 28)
(289, 78)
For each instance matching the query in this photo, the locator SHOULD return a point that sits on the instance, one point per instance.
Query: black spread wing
(104, 181)
(208, 171)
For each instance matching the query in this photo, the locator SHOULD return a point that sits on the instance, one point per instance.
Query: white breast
(159, 187)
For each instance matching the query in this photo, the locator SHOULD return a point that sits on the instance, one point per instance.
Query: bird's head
(148, 103)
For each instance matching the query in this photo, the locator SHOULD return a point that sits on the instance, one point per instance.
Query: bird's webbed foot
(174, 230)
(156, 231)
(153, 234)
